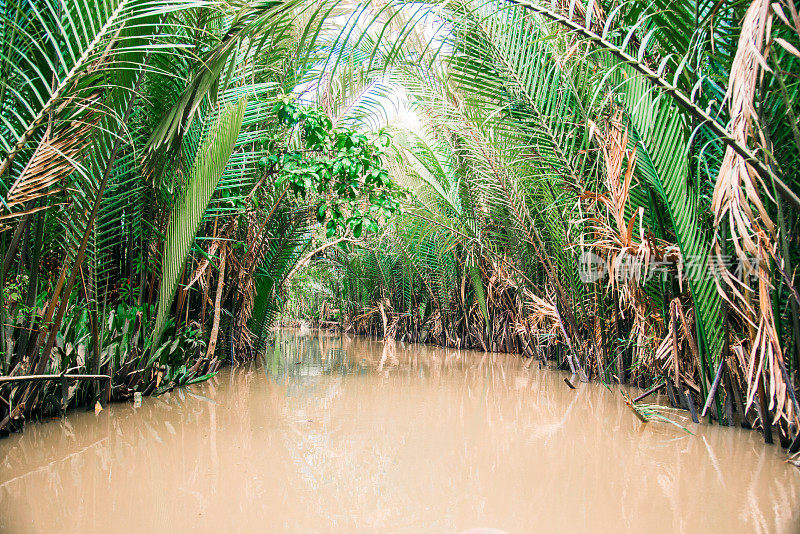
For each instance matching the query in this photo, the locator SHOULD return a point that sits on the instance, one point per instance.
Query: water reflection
(346, 434)
(296, 359)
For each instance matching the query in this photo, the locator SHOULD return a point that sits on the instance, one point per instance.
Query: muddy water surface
(351, 435)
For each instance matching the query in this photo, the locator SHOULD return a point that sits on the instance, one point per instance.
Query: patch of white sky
(389, 102)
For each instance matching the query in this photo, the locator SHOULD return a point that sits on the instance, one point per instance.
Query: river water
(352, 435)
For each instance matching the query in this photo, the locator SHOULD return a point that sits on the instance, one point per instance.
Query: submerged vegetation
(612, 186)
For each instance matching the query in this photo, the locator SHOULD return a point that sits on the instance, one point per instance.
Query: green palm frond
(660, 135)
(208, 167)
(259, 28)
(287, 235)
(60, 61)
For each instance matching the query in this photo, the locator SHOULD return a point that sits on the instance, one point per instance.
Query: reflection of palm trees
(299, 360)
(388, 355)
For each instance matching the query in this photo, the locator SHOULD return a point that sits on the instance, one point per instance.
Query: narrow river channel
(329, 433)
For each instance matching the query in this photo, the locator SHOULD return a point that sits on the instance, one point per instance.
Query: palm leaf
(660, 135)
(208, 167)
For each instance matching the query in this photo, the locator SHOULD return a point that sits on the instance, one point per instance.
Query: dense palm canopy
(611, 185)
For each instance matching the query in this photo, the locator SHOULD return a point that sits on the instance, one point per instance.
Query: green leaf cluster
(341, 168)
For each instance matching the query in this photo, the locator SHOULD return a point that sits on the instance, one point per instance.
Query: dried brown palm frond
(737, 192)
(60, 152)
(541, 316)
(738, 204)
(629, 252)
(244, 269)
(670, 355)
(761, 357)
(646, 328)
(592, 14)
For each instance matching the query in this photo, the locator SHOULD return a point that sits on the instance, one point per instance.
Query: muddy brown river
(332, 434)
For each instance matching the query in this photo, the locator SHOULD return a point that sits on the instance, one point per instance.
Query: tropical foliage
(609, 185)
